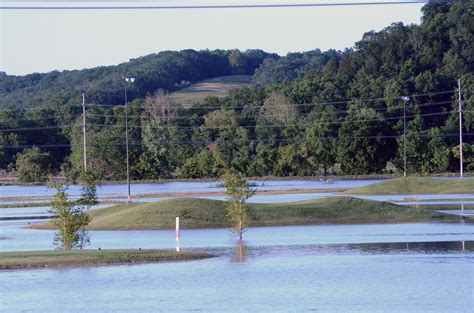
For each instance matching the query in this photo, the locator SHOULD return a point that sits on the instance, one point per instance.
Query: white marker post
(177, 234)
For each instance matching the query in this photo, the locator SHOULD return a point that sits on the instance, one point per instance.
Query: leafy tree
(33, 165)
(87, 200)
(278, 109)
(321, 137)
(362, 148)
(161, 107)
(69, 221)
(10, 118)
(238, 192)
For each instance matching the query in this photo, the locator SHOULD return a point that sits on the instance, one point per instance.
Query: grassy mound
(76, 258)
(416, 185)
(218, 87)
(200, 213)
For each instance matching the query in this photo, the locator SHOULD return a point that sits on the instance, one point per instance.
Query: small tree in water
(237, 191)
(70, 220)
(88, 199)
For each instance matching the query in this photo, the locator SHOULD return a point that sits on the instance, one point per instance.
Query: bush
(33, 165)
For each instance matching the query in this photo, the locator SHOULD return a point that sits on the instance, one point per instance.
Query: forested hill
(165, 70)
(311, 113)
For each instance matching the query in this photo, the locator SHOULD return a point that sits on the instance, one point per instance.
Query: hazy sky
(46, 40)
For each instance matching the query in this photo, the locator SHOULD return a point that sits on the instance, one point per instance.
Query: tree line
(315, 113)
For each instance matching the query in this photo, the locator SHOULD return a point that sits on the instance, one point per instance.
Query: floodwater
(344, 268)
(22, 239)
(419, 267)
(183, 187)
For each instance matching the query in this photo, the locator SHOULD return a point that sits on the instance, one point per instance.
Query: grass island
(81, 258)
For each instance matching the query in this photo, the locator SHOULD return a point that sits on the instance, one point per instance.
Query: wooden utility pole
(84, 129)
(405, 99)
(125, 81)
(460, 130)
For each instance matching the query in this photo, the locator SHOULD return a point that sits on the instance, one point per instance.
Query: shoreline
(58, 259)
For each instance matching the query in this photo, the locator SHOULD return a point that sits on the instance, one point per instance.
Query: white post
(177, 235)
(177, 228)
(460, 130)
(84, 129)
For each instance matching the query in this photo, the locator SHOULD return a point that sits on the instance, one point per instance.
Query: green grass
(201, 213)
(218, 87)
(76, 258)
(416, 185)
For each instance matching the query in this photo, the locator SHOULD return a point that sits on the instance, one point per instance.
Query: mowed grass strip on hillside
(201, 213)
(217, 87)
(416, 185)
(76, 258)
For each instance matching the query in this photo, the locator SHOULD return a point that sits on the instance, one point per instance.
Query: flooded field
(405, 267)
(424, 267)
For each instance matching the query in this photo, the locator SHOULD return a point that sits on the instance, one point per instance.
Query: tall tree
(321, 136)
(87, 200)
(70, 219)
(237, 192)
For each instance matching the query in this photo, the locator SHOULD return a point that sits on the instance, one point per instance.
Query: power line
(285, 125)
(200, 7)
(363, 100)
(242, 107)
(381, 119)
(143, 117)
(316, 103)
(207, 142)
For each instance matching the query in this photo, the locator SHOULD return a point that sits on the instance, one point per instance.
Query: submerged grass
(78, 258)
(417, 185)
(202, 213)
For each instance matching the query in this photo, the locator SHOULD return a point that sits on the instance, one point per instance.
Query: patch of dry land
(83, 258)
(203, 213)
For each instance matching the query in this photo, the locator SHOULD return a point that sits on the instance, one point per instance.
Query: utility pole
(84, 129)
(125, 81)
(405, 100)
(460, 130)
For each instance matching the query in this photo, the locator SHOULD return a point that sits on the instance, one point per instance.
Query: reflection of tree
(241, 252)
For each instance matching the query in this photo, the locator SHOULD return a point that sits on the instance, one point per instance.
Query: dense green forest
(311, 113)
(165, 70)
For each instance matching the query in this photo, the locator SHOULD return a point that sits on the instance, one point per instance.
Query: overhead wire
(218, 6)
(381, 119)
(208, 142)
(195, 108)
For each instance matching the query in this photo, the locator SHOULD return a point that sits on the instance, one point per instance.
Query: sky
(43, 40)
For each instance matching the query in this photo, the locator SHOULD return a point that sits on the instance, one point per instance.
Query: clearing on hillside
(217, 86)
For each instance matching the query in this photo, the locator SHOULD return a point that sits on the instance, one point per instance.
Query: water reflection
(421, 247)
(240, 252)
